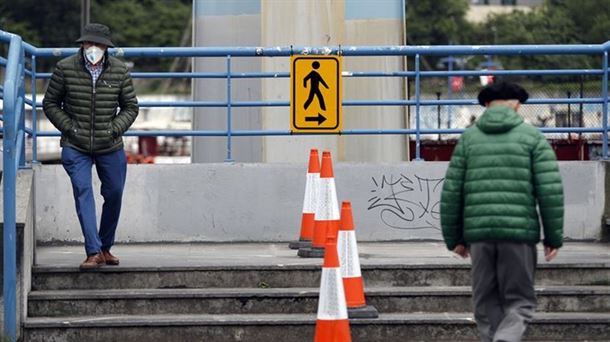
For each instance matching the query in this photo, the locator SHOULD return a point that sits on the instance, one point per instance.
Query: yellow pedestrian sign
(315, 94)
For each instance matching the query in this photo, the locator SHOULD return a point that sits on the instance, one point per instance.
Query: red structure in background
(147, 150)
(570, 149)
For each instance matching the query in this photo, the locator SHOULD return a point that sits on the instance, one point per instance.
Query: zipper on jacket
(92, 128)
(93, 107)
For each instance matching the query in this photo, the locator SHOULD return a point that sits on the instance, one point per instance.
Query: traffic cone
(309, 202)
(332, 324)
(326, 219)
(350, 267)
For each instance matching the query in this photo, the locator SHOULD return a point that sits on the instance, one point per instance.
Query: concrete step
(289, 300)
(300, 327)
(290, 275)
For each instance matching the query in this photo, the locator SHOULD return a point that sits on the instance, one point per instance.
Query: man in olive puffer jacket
(501, 169)
(92, 102)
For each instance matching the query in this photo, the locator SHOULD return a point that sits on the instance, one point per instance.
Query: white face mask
(94, 54)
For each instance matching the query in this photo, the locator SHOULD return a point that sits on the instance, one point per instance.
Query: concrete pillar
(226, 23)
(369, 22)
(299, 23)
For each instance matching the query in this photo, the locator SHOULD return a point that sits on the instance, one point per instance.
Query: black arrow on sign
(320, 118)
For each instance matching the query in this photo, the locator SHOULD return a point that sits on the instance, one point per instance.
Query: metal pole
(12, 90)
(34, 114)
(417, 116)
(580, 121)
(85, 14)
(605, 104)
(569, 95)
(229, 157)
(21, 123)
(438, 113)
(449, 91)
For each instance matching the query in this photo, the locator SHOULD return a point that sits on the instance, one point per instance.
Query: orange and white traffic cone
(332, 324)
(309, 202)
(326, 219)
(350, 267)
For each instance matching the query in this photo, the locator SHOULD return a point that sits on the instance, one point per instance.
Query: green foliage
(434, 22)
(42, 23)
(556, 22)
(438, 22)
(56, 23)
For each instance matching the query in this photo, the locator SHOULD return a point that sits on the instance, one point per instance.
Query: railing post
(21, 123)
(449, 90)
(12, 90)
(417, 104)
(605, 104)
(34, 113)
(229, 119)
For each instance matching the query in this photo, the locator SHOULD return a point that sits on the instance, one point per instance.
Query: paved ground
(219, 254)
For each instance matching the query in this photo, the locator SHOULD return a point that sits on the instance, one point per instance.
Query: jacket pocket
(73, 131)
(110, 132)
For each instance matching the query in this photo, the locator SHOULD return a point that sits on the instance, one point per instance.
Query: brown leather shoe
(93, 261)
(110, 259)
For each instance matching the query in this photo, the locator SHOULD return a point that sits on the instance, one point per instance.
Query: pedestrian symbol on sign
(315, 104)
(314, 86)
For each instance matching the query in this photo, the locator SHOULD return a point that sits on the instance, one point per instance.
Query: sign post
(315, 94)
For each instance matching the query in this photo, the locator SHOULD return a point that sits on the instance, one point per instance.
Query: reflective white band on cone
(327, 207)
(311, 185)
(348, 254)
(332, 305)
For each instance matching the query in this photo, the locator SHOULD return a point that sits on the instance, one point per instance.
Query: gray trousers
(503, 289)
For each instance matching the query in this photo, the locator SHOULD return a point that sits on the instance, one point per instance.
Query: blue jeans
(112, 171)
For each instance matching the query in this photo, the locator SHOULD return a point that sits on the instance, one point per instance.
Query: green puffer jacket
(87, 116)
(500, 168)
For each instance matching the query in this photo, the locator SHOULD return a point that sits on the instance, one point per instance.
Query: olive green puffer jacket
(87, 116)
(500, 169)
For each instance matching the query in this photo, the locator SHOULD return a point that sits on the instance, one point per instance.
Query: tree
(436, 22)
(556, 22)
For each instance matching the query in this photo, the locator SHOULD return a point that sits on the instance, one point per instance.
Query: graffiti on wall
(407, 202)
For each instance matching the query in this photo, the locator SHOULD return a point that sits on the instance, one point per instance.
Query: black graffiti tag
(407, 202)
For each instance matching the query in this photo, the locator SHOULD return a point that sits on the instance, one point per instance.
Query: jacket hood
(498, 119)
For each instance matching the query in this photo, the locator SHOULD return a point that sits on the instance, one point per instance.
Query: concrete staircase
(258, 300)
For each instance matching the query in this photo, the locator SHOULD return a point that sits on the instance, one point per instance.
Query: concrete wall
(263, 202)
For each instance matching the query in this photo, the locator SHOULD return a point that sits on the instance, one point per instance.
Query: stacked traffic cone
(332, 323)
(309, 202)
(326, 219)
(350, 267)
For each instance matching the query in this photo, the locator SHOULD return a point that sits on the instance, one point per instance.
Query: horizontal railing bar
(221, 75)
(285, 51)
(349, 103)
(357, 74)
(407, 131)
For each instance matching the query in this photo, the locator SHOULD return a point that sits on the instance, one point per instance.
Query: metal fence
(430, 115)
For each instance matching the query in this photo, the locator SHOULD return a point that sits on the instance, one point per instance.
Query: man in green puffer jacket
(92, 102)
(501, 169)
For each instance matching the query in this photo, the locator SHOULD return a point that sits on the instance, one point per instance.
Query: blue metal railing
(13, 157)
(14, 100)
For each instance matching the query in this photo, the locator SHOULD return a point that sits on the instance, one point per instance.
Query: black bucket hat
(96, 33)
(502, 91)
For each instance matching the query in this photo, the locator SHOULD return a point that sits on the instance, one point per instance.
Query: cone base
(300, 244)
(367, 311)
(311, 252)
(332, 331)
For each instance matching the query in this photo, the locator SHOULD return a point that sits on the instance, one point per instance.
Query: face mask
(94, 54)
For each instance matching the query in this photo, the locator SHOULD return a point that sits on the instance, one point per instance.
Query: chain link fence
(539, 115)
